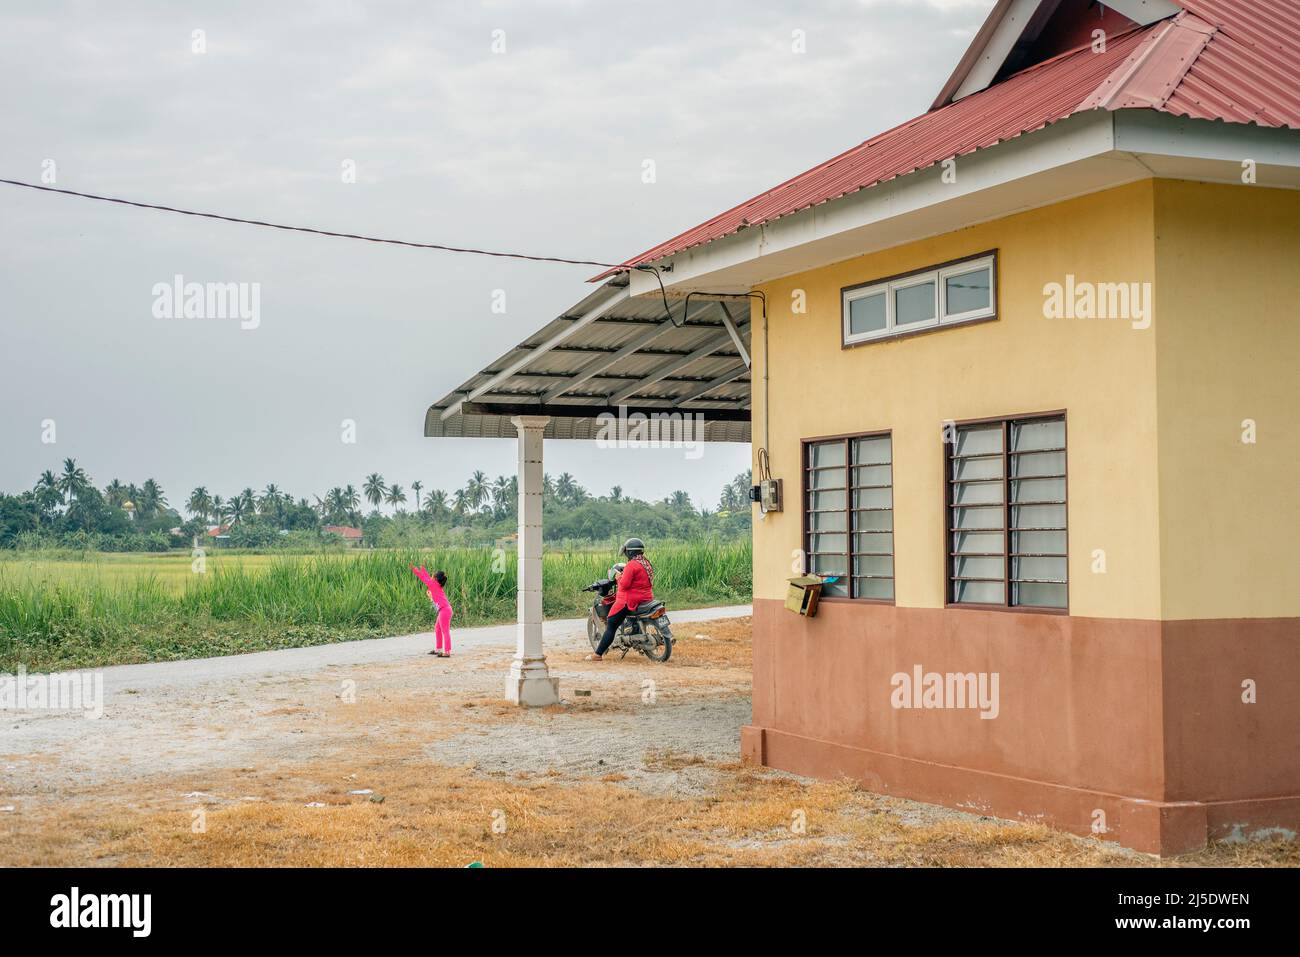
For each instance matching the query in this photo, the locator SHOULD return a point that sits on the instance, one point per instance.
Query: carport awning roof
(607, 352)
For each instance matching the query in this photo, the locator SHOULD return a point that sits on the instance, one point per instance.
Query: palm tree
(415, 487)
(200, 503)
(73, 480)
(564, 488)
(46, 490)
(436, 503)
(151, 500)
(548, 487)
(616, 493)
(460, 502)
(375, 488)
(395, 496)
(272, 503)
(236, 508)
(350, 498)
(501, 495)
(219, 508)
(476, 490)
(115, 493)
(680, 501)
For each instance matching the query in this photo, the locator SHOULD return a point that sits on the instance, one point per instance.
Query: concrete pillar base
(532, 689)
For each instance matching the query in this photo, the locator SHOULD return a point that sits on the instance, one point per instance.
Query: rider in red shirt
(634, 587)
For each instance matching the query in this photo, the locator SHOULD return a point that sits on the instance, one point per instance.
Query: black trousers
(611, 629)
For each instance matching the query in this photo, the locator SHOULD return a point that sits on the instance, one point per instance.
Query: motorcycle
(646, 630)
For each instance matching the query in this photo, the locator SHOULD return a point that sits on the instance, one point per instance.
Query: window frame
(805, 487)
(938, 274)
(1006, 421)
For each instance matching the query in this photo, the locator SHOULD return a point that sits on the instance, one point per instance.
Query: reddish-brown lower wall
(1218, 746)
(1098, 721)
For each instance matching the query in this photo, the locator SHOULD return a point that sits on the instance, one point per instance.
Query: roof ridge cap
(1118, 81)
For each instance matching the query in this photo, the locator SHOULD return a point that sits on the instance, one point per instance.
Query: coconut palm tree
(436, 503)
(219, 507)
(350, 498)
(73, 480)
(115, 493)
(200, 503)
(48, 496)
(460, 502)
(374, 488)
(273, 502)
(152, 500)
(564, 487)
(680, 501)
(269, 499)
(500, 492)
(616, 493)
(415, 487)
(236, 508)
(476, 490)
(396, 495)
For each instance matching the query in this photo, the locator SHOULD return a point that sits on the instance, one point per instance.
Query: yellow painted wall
(1101, 371)
(1228, 330)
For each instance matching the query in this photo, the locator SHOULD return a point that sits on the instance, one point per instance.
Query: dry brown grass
(436, 815)
(444, 817)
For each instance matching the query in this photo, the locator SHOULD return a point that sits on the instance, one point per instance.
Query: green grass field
(69, 610)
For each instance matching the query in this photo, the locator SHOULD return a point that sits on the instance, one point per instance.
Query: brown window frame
(849, 488)
(1006, 529)
(941, 325)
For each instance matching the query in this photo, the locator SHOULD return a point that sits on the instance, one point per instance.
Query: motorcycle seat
(646, 609)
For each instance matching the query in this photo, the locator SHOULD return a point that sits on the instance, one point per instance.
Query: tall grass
(297, 600)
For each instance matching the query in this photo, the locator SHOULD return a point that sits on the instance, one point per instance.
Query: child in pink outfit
(442, 627)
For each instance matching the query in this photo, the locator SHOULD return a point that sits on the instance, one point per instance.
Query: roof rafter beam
(600, 309)
(729, 321)
(709, 347)
(600, 365)
(712, 384)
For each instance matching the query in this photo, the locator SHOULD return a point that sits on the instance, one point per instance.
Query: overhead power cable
(317, 232)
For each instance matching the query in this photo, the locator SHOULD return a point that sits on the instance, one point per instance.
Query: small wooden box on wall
(805, 591)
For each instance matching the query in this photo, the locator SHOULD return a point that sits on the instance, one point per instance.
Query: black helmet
(633, 547)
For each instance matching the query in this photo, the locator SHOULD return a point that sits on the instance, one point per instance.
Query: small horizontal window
(945, 295)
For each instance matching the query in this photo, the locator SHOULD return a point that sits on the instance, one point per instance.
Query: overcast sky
(538, 148)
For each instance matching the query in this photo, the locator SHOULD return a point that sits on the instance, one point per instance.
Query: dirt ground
(417, 761)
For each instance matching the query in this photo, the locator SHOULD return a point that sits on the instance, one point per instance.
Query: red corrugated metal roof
(1232, 60)
(1249, 72)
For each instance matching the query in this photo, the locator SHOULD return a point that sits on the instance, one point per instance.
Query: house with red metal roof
(1019, 378)
(353, 536)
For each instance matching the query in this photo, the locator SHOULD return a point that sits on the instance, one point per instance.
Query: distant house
(353, 536)
(219, 533)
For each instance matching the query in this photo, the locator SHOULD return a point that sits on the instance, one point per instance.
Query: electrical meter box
(770, 495)
(803, 595)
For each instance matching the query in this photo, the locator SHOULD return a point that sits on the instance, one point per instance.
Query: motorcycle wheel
(662, 637)
(594, 631)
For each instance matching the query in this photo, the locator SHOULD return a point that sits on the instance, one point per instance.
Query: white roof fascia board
(851, 225)
(999, 46)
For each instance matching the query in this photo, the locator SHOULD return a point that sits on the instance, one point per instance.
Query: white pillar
(529, 682)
